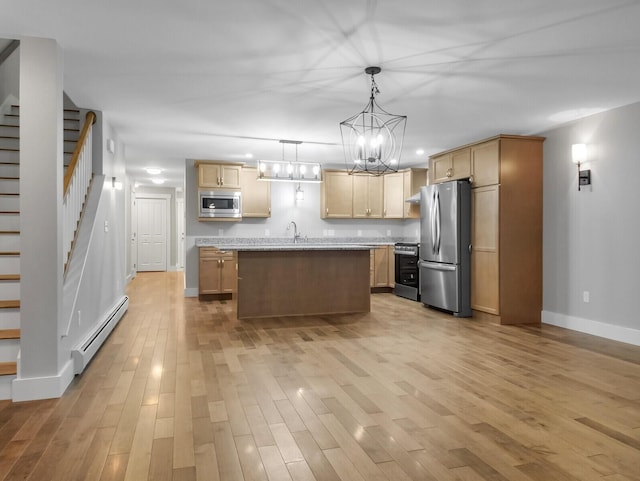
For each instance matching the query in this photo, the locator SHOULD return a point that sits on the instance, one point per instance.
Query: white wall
(10, 77)
(284, 209)
(590, 237)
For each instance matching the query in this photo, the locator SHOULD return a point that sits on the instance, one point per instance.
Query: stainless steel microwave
(220, 203)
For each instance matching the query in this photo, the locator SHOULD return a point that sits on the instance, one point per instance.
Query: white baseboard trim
(30, 389)
(190, 292)
(595, 328)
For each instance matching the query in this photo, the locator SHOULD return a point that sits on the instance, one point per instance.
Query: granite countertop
(303, 246)
(286, 243)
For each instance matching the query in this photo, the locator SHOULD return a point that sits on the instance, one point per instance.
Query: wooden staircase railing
(77, 180)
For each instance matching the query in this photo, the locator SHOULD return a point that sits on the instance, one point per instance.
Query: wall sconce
(579, 155)
(299, 193)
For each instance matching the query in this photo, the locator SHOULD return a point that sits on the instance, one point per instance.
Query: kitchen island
(302, 279)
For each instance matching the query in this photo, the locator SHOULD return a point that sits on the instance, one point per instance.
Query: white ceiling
(208, 79)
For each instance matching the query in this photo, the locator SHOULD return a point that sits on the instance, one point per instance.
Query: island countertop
(293, 247)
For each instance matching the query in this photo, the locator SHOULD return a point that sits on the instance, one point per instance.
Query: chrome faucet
(296, 234)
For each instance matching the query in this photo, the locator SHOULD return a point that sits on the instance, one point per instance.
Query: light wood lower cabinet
(217, 271)
(382, 267)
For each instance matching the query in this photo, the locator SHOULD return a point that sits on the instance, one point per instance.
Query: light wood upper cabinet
(450, 166)
(218, 175)
(394, 195)
(336, 195)
(217, 271)
(367, 196)
(413, 180)
(485, 163)
(256, 194)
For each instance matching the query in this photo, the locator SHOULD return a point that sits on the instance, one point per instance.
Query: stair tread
(10, 304)
(9, 333)
(9, 277)
(8, 368)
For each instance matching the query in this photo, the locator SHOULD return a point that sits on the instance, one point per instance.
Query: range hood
(414, 199)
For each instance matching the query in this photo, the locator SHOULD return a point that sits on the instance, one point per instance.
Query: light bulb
(316, 169)
(289, 168)
(263, 167)
(276, 168)
(303, 169)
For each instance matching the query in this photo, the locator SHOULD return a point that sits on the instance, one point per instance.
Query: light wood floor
(183, 391)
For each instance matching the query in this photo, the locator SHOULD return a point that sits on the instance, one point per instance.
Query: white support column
(41, 373)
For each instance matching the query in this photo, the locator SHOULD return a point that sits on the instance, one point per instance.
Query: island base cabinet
(299, 283)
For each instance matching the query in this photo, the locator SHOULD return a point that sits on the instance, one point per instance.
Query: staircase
(10, 235)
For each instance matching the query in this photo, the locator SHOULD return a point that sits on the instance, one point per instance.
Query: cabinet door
(256, 194)
(381, 267)
(208, 175)
(337, 190)
(485, 280)
(230, 176)
(440, 168)
(360, 196)
(413, 180)
(394, 194)
(209, 273)
(460, 164)
(392, 267)
(376, 196)
(485, 163)
(228, 273)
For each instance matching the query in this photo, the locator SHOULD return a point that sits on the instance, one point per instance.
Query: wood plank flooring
(184, 391)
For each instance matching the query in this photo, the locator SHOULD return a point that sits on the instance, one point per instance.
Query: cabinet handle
(384, 212)
(327, 210)
(269, 210)
(222, 262)
(218, 180)
(221, 180)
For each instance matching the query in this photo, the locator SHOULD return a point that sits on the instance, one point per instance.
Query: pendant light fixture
(372, 139)
(289, 171)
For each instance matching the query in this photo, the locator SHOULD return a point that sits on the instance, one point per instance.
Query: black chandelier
(372, 139)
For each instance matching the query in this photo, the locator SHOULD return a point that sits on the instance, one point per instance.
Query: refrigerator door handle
(439, 223)
(433, 223)
(437, 266)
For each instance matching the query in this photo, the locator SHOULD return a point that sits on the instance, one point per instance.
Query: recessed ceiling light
(248, 155)
(157, 181)
(420, 151)
(153, 170)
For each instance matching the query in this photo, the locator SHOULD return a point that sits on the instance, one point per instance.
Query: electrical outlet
(106, 226)
(388, 233)
(267, 233)
(585, 296)
(359, 233)
(79, 317)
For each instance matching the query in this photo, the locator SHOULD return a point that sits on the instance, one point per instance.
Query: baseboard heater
(82, 355)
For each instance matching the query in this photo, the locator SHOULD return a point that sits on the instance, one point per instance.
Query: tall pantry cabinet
(506, 232)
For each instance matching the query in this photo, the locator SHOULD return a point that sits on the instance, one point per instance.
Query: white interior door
(134, 235)
(180, 233)
(152, 234)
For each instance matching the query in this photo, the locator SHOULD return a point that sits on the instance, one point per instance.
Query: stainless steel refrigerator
(445, 247)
